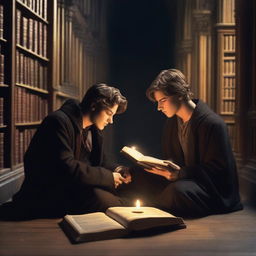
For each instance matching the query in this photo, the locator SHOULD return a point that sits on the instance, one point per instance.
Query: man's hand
(172, 176)
(118, 179)
(124, 171)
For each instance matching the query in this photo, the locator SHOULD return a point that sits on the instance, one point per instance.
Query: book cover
(117, 222)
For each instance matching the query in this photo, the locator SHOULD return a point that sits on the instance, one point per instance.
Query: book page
(92, 222)
(133, 153)
(139, 157)
(150, 217)
(91, 227)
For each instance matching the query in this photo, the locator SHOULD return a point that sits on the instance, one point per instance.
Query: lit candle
(133, 147)
(137, 208)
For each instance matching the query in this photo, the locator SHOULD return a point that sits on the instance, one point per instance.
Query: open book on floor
(117, 222)
(148, 161)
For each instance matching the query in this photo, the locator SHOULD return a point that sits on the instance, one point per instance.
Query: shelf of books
(4, 88)
(227, 82)
(24, 70)
(226, 64)
(31, 95)
(44, 60)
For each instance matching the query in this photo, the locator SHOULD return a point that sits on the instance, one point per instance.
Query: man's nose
(110, 120)
(159, 107)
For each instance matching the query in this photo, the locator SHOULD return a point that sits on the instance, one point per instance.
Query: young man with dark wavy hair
(66, 168)
(195, 138)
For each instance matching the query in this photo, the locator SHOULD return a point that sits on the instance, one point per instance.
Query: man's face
(105, 117)
(169, 105)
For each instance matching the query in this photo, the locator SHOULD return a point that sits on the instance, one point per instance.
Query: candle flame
(133, 147)
(137, 204)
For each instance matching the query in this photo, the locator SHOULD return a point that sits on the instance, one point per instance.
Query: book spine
(41, 8)
(45, 78)
(24, 107)
(21, 68)
(1, 69)
(32, 72)
(45, 9)
(25, 70)
(18, 27)
(25, 32)
(45, 41)
(1, 21)
(1, 111)
(36, 74)
(20, 146)
(17, 67)
(1, 150)
(35, 36)
(29, 4)
(38, 7)
(16, 142)
(30, 36)
(40, 38)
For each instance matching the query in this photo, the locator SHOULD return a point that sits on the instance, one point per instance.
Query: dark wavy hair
(102, 96)
(170, 82)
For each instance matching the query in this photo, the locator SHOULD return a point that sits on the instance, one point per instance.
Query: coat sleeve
(62, 156)
(216, 166)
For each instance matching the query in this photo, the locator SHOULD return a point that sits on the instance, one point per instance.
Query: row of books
(229, 42)
(1, 150)
(22, 140)
(31, 34)
(37, 6)
(29, 107)
(1, 21)
(1, 68)
(30, 71)
(1, 111)
(228, 106)
(229, 67)
(229, 93)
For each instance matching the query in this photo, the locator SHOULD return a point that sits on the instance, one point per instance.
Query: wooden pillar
(202, 62)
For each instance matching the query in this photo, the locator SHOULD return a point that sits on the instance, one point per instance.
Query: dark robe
(210, 161)
(207, 183)
(59, 176)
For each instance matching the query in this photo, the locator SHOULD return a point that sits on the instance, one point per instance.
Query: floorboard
(230, 234)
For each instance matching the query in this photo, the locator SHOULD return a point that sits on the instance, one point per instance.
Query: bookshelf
(55, 50)
(30, 91)
(226, 65)
(5, 88)
(24, 92)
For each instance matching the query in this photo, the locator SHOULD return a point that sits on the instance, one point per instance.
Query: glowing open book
(118, 222)
(148, 161)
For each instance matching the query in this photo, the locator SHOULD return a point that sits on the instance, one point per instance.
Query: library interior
(54, 50)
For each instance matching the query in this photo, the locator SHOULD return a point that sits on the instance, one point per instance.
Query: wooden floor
(222, 235)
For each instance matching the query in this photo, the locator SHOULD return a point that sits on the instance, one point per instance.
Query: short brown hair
(101, 96)
(170, 82)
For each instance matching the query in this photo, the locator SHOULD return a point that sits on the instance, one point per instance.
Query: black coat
(54, 171)
(211, 163)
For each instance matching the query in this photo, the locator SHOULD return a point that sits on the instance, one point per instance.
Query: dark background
(141, 43)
